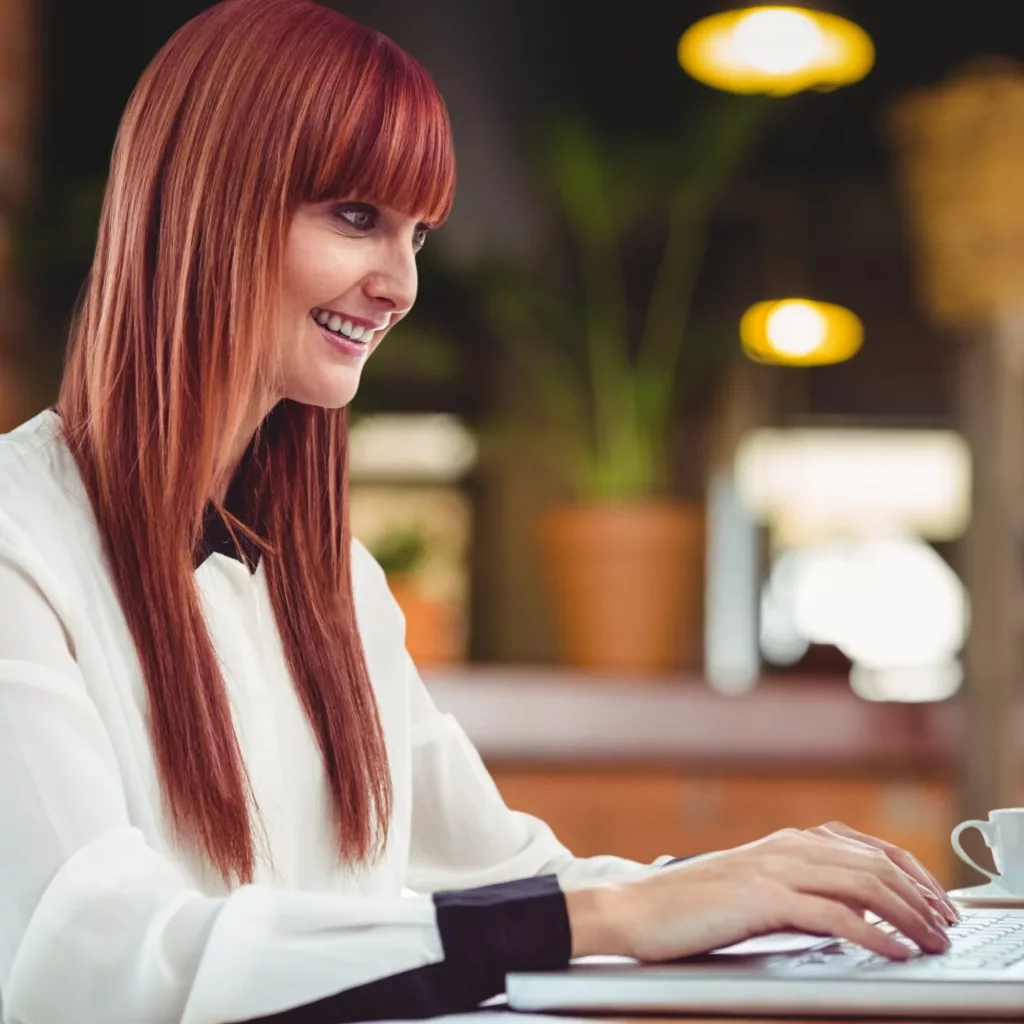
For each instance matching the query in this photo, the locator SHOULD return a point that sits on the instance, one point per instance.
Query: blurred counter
(528, 714)
(645, 767)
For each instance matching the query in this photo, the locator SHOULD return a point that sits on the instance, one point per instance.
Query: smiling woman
(226, 792)
(219, 234)
(222, 774)
(351, 269)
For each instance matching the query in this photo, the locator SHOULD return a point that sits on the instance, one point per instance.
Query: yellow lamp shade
(776, 49)
(800, 332)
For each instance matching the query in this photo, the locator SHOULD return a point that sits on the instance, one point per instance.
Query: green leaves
(615, 394)
(402, 550)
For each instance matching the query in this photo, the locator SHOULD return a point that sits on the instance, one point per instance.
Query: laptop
(980, 976)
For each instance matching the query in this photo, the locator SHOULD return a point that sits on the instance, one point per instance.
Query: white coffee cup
(1004, 836)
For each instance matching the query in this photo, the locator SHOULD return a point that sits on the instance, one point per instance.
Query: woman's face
(349, 276)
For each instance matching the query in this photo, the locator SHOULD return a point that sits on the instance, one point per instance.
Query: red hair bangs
(375, 126)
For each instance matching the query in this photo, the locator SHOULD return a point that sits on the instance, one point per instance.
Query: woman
(226, 793)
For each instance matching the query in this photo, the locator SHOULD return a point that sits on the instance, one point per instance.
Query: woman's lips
(341, 343)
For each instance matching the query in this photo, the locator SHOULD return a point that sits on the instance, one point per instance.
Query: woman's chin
(329, 392)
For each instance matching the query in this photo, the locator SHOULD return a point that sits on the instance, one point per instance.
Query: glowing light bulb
(796, 328)
(800, 332)
(778, 42)
(777, 49)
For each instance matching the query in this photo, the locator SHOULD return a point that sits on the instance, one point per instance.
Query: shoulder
(34, 461)
(380, 618)
(369, 584)
(366, 569)
(43, 504)
(38, 474)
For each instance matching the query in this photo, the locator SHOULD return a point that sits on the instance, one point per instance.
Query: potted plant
(430, 636)
(624, 560)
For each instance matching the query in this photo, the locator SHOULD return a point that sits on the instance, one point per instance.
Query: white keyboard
(984, 940)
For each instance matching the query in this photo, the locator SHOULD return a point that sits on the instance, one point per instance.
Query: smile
(345, 328)
(343, 342)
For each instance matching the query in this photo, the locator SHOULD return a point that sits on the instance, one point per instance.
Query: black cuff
(513, 926)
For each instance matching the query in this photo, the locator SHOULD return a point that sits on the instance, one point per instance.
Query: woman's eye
(360, 217)
(365, 218)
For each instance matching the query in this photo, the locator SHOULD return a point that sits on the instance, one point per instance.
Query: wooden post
(19, 74)
(19, 88)
(991, 413)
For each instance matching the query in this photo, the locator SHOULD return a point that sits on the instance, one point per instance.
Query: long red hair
(249, 109)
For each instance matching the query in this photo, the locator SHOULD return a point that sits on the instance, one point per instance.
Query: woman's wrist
(592, 920)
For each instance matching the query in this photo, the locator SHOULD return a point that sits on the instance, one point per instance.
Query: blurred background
(697, 470)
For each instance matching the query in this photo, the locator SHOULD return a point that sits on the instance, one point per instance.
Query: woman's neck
(242, 441)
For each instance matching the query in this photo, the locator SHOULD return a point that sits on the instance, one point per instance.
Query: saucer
(987, 895)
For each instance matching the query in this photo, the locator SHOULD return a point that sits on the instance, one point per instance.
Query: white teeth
(345, 327)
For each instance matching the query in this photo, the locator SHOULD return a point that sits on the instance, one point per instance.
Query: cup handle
(984, 827)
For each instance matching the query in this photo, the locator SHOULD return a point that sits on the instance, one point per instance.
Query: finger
(944, 907)
(903, 859)
(913, 867)
(822, 916)
(837, 852)
(867, 890)
(906, 860)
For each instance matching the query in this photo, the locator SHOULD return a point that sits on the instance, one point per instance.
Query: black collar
(243, 502)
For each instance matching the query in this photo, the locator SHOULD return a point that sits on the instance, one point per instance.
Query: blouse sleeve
(98, 927)
(463, 834)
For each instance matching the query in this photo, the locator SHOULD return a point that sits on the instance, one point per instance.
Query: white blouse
(105, 919)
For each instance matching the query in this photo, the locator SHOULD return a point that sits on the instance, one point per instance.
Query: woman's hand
(820, 881)
(901, 858)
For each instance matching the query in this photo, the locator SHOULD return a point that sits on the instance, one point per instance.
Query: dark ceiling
(618, 58)
(615, 57)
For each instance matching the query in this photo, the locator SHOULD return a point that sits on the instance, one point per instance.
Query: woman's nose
(393, 284)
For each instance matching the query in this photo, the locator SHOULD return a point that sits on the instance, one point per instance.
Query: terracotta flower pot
(431, 636)
(627, 584)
